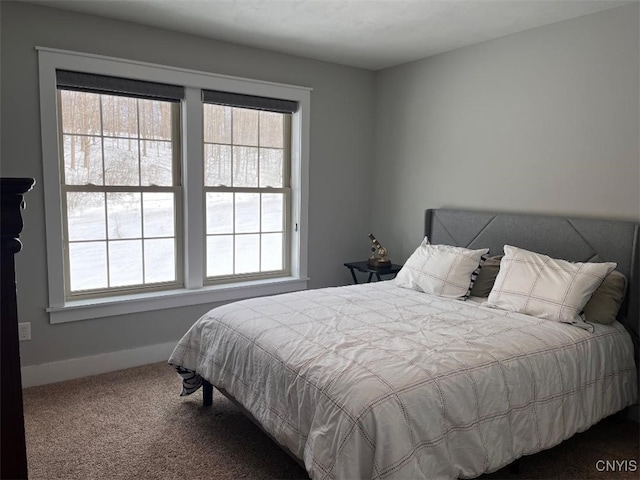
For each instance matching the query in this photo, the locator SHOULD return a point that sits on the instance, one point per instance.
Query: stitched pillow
(545, 287)
(442, 270)
(486, 277)
(606, 300)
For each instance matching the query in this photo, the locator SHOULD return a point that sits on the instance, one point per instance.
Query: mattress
(377, 381)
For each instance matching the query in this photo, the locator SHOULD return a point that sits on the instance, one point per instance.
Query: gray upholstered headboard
(574, 239)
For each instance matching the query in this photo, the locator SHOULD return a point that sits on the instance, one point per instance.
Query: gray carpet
(132, 424)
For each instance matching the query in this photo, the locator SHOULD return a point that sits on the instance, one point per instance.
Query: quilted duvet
(376, 381)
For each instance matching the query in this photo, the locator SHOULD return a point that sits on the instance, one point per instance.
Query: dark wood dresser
(14, 453)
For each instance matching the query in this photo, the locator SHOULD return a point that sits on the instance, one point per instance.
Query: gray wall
(543, 121)
(341, 149)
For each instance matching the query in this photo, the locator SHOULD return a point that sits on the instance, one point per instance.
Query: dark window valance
(89, 82)
(249, 101)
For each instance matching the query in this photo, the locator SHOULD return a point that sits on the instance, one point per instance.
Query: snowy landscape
(119, 237)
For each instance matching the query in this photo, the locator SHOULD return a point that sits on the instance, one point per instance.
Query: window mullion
(104, 171)
(193, 184)
(141, 197)
(119, 188)
(143, 237)
(260, 236)
(107, 239)
(234, 236)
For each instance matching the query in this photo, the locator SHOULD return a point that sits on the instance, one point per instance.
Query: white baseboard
(59, 371)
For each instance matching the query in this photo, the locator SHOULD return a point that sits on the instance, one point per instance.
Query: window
(120, 184)
(247, 185)
(167, 187)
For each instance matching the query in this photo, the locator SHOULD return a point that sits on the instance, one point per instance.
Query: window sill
(145, 302)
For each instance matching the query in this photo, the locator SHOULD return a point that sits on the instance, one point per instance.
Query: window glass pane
(86, 216)
(87, 265)
(271, 256)
(117, 141)
(271, 129)
(245, 126)
(244, 148)
(247, 212)
(247, 254)
(217, 165)
(80, 112)
(155, 119)
(271, 167)
(121, 162)
(159, 219)
(219, 255)
(82, 160)
(124, 215)
(156, 163)
(219, 212)
(217, 124)
(159, 260)
(272, 212)
(245, 167)
(119, 116)
(125, 263)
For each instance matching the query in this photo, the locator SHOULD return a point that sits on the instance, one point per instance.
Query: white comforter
(376, 381)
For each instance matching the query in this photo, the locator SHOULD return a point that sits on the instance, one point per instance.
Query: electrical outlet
(24, 331)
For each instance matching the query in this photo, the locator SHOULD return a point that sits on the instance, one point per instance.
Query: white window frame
(194, 291)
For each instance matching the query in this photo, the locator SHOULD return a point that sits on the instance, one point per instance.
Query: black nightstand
(366, 268)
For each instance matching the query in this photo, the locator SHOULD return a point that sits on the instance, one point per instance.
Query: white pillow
(442, 270)
(544, 287)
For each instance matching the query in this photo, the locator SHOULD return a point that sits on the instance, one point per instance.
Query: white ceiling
(372, 34)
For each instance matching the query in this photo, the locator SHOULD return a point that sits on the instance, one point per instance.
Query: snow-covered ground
(136, 243)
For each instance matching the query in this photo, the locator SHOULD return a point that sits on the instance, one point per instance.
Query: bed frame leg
(207, 394)
(514, 468)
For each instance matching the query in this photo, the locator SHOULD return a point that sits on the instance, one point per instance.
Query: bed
(382, 380)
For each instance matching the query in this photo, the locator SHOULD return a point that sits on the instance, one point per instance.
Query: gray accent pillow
(606, 300)
(486, 277)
